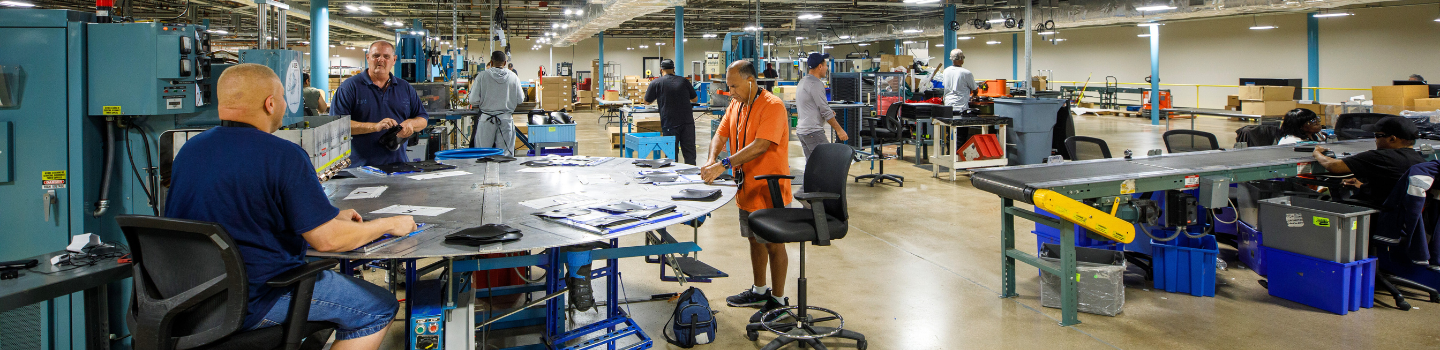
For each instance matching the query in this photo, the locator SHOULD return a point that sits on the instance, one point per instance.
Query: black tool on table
(709, 195)
(495, 159)
(485, 234)
(537, 163)
(1311, 148)
(430, 165)
(653, 163)
(11, 269)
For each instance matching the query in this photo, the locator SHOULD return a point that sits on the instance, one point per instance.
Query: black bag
(692, 323)
(484, 234)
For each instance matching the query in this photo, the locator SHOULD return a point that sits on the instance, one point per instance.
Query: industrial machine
(739, 46)
(414, 56)
(714, 63)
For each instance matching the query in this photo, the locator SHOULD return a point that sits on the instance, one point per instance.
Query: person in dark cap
(813, 108)
(1377, 171)
(674, 95)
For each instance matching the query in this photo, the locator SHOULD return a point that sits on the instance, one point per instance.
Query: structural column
(1155, 74)
(320, 44)
(949, 35)
(1014, 57)
(1312, 41)
(600, 70)
(680, 40)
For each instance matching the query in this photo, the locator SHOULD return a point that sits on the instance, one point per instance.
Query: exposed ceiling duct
(606, 14)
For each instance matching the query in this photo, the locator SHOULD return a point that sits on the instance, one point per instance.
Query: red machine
(993, 88)
(1165, 101)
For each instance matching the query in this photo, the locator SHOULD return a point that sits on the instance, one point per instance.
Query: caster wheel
(752, 336)
(1402, 305)
(861, 344)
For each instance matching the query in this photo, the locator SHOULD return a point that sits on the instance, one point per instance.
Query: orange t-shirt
(766, 119)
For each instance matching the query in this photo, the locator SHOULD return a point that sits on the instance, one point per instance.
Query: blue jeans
(358, 308)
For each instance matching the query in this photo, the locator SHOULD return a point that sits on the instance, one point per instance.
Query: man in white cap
(959, 82)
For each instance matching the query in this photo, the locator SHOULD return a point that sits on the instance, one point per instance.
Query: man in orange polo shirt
(755, 124)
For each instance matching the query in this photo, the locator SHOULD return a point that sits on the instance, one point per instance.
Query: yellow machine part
(1099, 222)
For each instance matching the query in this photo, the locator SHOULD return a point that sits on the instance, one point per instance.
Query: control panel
(426, 315)
(147, 68)
(714, 62)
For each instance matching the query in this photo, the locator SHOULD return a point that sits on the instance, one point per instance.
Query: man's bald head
(251, 93)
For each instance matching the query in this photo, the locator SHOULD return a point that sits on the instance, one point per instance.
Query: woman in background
(1300, 125)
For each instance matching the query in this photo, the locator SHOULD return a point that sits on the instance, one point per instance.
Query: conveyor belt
(1081, 179)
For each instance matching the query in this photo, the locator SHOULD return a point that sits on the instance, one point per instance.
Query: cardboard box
(1266, 108)
(1427, 104)
(1398, 95)
(1388, 109)
(1267, 93)
(559, 79)
(616, 139)
(521, 128)
(1232, 100)
(612, 95)
(585, 93)
(647, 124)
(1040, 82)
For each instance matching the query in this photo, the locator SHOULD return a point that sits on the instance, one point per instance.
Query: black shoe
(776, 303)
(582, 297)
(748, 298)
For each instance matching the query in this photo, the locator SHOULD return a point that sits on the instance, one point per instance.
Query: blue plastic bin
(1327, 285)
(1251, 247)
(1046, 234)
(551, 133)
(1184, 265)
(649, 144)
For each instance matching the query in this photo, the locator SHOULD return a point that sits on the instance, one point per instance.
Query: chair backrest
(1181, 140)
(892, 116)
(1351, 126)
(826, 171)
(1259, 135)
(190, 283)
(1086, 148)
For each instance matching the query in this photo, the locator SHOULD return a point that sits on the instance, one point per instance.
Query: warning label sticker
(1192, 181)
(53, 179)
(1127, 186)
(1322, 222)
(112, 110)
(1294, 220)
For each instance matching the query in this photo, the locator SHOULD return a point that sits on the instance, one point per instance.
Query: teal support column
(949, 35)
(899, 48)
(416, 24)
(205, 22)
(320, 44)
(680, 40)
(1014, 57)
(1155, 75)
(600, 72)
(1312, 43)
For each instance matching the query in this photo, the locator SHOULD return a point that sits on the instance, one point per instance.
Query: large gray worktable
(33, 287)
(492, 194)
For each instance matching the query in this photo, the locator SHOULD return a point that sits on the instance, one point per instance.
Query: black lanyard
(235, 124)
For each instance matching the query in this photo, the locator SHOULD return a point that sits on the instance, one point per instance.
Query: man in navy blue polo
(376, 102)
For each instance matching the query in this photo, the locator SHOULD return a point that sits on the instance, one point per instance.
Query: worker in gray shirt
(814, 110)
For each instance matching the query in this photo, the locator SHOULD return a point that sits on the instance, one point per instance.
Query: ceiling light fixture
(809, 16)
(939, 45)
(567, 12)
(769, 44)
(644, 46)
(708, 36)
(911, 31)
(1333, 14)
(1255, 24)
(992, 42)
(862, 44)
(1154, 8)
(1263, 27)
(827, 47)
(580, 12)
(659, 44)
(364, 8)
(1149, 24)
(1061, 39)
(921, 1)
(686, 40)
(1002, 20)
(554, 25)
(965, 38)
(799, 38)
(1143, 35)
(908, 42)
(352, 8)
(565, 26)
(750, 28)
(217, 31)
(16, 4)
(1048, 32)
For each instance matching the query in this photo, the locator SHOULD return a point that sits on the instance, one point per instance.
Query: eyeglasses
(1381, 135)
(1313, 121)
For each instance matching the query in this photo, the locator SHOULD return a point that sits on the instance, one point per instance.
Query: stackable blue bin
(1252, 244)
(551, 133)
(1184, 265)
(648, 145)
(1327, 285)
(1046, 234)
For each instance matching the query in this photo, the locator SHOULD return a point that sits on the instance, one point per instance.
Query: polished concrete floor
(920, 269)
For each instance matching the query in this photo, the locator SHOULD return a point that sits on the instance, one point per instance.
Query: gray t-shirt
(312, 97)
(811, 105)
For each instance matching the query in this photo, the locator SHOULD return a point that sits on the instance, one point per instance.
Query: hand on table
(1318, 152)
(711, 171)
(401, 225)
(350, 215)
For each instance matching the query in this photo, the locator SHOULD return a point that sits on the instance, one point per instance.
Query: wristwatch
(725, 162)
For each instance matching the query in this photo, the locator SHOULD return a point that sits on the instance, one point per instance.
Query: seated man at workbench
(1377, 171)
(263, 190)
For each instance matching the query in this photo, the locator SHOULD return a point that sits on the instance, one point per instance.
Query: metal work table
(33, 287)
(1117, 176)
(453, 114)
(1211, 111)
(492, 193)
(627, 113)
(611, 109)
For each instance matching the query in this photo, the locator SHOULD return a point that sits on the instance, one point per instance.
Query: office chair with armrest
(1180, 141)
(191, 290)
(886, 129)
(1086, 148)
(1351, 126)
(1389, 237)
(825, 220)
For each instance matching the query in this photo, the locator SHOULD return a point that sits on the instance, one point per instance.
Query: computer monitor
(1407, 82)
(1434, 88)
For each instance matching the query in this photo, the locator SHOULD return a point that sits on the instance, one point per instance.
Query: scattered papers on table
(441, 174)
(593, 179)
(543, 170)
(412, 210)
(559, 199)
(366, 192)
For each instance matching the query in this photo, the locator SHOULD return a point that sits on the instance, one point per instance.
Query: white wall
(527, 62)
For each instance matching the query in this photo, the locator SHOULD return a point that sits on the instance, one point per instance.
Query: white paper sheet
(436, 175)
(412, 210)
(555, 200)
(592, 179)
(366, 192)
(553, 170)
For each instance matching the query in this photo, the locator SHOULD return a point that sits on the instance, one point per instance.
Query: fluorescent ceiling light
(580, 12)
(809, 16)
(908, 42)
(1437, 19)
(1155, 8)
(750, 28)
(1333, 14)
(364, 8)
(1143, 35)
(799, 38)
(349, 47)
(992, 42)
(1263, 27)
(1061, 39)
(862, 44)
(768, 44)
(567, 12)
(965, 38)
(939, 45)
(708, 36)
(827, 47)
(921, 1)
(554, 25)
(16, 4)
(334, 55)
(352, 8)
(1048, 32)
(911, 31)
(686, 40)
(217, 31)
(332, 45)
(1149, 24)
(1002, 20)
(843, 37)
(565, 26)
(644, 46)
(660, 44)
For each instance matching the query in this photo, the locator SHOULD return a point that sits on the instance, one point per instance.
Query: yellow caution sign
(1096, 221)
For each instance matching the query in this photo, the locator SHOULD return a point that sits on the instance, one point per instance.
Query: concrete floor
(920, 269)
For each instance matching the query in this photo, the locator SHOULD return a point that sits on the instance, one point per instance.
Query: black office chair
(1180, 141)
(1351, 126)
(886, 129)
(1086, 148)
(191, 290)
(825, 220)
(1259, 135)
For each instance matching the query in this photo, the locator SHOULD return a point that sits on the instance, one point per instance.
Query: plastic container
(1101, 283)
(1184, 265)
(649, 144)
(1034, 124)
(1327, 230)
(551, 133)
(1323, 284)
(1046, 234)
(1251, 247)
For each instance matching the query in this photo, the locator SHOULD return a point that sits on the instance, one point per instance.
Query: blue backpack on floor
(693, 322)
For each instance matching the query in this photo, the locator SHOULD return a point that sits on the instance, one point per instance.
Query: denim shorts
(357, 307)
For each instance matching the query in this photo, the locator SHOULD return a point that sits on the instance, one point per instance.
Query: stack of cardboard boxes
(1268, 101)
(635, 87)
(786, 93)
(585, 97)
(888, 61)
(1392, 99)
(555, 93)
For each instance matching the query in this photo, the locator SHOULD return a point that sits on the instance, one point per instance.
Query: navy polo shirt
(359, 98)
(262, 189)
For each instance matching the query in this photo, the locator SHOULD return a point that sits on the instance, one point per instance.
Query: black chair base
(1391, 284)
(880, 178)
(806, 335)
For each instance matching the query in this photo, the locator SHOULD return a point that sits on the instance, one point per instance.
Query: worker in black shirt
(770, 73)
(1377, 171)
(674, 95)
